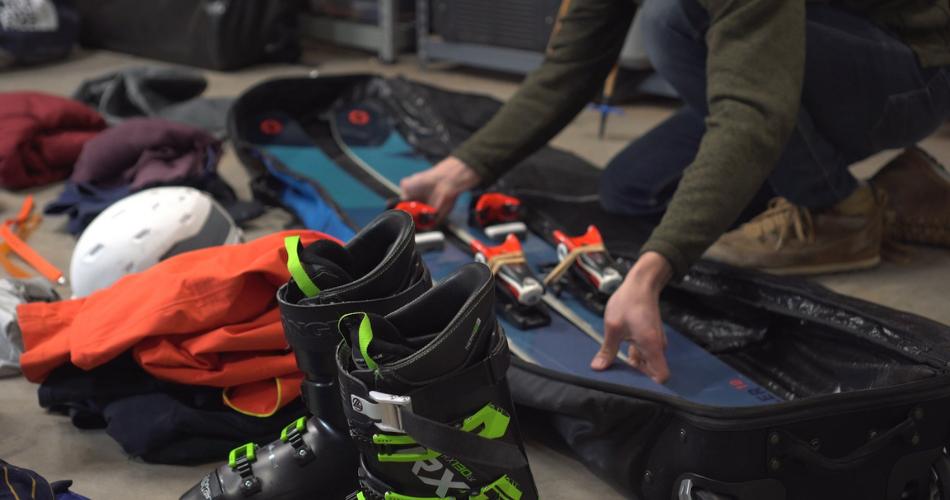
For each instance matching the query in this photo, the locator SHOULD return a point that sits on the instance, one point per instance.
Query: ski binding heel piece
(590, 269)
(424, 216)
(494, 208)
(521, 291)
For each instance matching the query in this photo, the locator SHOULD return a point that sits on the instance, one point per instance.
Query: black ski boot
(427, 399)
(379, 271)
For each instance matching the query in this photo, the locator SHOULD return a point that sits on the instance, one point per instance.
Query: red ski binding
(520, 289)
(495, 208)
(589, 268)
(423, 215)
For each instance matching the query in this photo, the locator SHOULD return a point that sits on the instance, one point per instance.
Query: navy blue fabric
(160, 422)
(864, 92)
(69, 495)
(82, 202)
(36, 32)
(21, 484)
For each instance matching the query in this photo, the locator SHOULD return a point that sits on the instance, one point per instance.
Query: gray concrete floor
(49, 444)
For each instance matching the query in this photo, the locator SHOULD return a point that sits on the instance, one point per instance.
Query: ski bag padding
(866, 389)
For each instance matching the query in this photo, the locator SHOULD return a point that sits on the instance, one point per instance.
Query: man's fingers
(408, 187)
(633, 357)
(656, 369)
(653, 361)
(444, 203)
(613, 335)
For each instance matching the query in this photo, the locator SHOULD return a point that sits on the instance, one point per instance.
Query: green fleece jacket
(755, 69)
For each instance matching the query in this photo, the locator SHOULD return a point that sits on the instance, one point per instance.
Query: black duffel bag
(33, 32)
(214, 34)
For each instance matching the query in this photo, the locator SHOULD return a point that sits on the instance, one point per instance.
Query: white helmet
(140, 230)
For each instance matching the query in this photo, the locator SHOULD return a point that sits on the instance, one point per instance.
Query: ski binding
(520, 290)
(588, 270)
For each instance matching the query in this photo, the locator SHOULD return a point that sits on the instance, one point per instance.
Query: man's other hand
(633, 314)
(440, 185)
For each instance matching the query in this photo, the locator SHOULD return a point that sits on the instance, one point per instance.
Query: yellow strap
(565, 264)
(497, 261)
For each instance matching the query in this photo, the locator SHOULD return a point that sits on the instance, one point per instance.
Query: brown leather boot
(788, 239)
(918, 188)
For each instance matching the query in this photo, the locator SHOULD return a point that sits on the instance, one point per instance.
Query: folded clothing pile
(138, 154)
(206, 319)
(41, 136)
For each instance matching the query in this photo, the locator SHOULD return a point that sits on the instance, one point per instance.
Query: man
(779, 95)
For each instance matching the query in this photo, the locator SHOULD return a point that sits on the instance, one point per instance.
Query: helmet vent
(141, 235)
(185, 218)
(91, 255)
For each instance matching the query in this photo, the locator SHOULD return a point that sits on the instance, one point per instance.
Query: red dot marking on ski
(358, 117)
(271, 127)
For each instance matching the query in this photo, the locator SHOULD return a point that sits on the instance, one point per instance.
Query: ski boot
(379, 271)
(591, 274)
(427, 400)
(520, 290)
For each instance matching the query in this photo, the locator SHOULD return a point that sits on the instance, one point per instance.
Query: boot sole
(857, 265)
(906, 234)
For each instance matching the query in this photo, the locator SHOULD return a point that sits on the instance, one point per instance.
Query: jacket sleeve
(581, 55)
(755, 67)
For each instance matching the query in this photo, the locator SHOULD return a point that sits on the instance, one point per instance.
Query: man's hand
(440, 185)
(633, 314)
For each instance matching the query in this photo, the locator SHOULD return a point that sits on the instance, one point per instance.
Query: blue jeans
(864, 92)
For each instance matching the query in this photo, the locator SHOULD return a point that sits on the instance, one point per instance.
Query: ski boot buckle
(390, 410)
(293, 435)
(240, 460)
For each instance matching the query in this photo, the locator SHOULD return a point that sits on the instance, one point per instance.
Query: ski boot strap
(405, 414)
(558, 272)
(312, 324)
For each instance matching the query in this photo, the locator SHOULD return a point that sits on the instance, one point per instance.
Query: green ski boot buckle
(240, 460)
(293, 435)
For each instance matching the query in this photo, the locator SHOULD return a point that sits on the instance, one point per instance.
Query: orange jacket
(206, 317)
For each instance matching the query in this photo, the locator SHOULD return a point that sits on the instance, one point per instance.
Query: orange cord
(23, 231)
(17, 245)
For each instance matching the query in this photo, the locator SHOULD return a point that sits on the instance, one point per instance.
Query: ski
(455, 230)
(314, 154)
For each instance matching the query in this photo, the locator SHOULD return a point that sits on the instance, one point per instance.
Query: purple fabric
(143, 153)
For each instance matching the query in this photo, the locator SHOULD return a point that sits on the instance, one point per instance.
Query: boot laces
(786, 221)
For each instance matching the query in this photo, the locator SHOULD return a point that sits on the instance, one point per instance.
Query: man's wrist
(651, 272)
